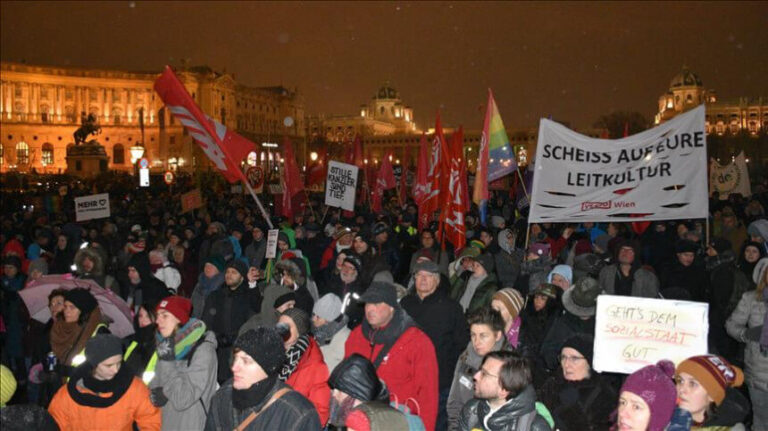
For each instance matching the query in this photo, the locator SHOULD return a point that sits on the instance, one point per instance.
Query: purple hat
(655, 386)
(539, 249)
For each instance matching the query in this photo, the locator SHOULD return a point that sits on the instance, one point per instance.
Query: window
(689, 99)
(118, 154)
(69, 94)
(92, 95)
(44, 117)
(17, 90)
(47, 154)
(115, 95)
(22, 153)
(44, 93)
(21, 113)
(69, 114)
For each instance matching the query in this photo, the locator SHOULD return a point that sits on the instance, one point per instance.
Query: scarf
(68, 339)
(185, 337)
(293, 356)
(210, 284)
(513, 334)
(324, 334)
(253, 396)
(85, 390)
(472, 285)
(400, 322)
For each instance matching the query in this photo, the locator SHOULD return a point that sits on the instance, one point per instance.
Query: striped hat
(512, 300)
(714, 373)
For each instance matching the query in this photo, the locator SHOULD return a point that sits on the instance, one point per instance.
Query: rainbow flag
(495, 158)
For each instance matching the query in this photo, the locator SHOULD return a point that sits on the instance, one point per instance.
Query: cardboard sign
(658, 174)
(191, 200)
(731, 178)
(340, 185)
(92, 207)
(272, 243)
(631, 333)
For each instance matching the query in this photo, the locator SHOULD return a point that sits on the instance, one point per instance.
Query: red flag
(292, 184)
(385, 180)
(420, 182)
(436, 173)
(225, 148)
(317, 170)
(455, 204)
(626, 129)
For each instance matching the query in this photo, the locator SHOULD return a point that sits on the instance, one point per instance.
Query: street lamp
(137, 151)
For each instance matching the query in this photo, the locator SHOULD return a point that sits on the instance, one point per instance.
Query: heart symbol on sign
(102, 202)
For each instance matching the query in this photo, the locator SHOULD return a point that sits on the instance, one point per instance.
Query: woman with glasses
(577, 396)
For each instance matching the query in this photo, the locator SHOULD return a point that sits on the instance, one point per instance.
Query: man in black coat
(685, 272)
(227, 308)
(442, 319)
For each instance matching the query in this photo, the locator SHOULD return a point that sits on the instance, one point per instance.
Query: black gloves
(165, 349)
(157, 397)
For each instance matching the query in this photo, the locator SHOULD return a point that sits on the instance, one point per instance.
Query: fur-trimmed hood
(93, 253)
(292, 268)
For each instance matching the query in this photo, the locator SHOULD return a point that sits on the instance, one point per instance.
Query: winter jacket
(506, 418)
(565, 326)
(267, 316)
(409, 369)
(463, 385)
(189, 385)
(255, 253)
(692, 278)
(583, 405)
(226, 310)
(204, 287)
(644, 283)
(750, 313)
(333, 352)
(97, 274)
(291, 412)
(77, 408)
(484, 291)
(730, 415)
(310, 378)
(531, 272)
(507, 261)
(725, 284)
(442, 319)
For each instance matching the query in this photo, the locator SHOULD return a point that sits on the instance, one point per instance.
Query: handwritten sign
(272, 243)
(92, 207)
(340, 185)
(631, 333)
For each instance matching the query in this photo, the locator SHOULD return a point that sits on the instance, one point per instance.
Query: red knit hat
(179, 306)
(714, 373)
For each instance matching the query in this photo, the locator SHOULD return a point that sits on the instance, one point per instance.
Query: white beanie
(327, 307)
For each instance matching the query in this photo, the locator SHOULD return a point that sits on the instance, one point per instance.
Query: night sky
(574, 61)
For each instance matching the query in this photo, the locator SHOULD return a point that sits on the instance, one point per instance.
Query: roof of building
(685, 78)
(386, 91)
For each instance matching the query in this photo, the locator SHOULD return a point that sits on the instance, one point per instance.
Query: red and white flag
(457, 197)
(225, 148)
(436, 173)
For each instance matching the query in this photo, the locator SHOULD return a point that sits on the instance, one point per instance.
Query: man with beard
(626, 277)
(346, 285)
(227, 309)
(504, 396)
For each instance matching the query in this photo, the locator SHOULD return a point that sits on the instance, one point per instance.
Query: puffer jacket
(505, 418)
(311, 379)
(748, 314)
(124, 400)
(189, 385)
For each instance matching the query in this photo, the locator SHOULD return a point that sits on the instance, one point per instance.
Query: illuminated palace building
(41, 107)
(686, 91)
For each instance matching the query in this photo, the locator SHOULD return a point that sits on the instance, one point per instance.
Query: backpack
(414, 421)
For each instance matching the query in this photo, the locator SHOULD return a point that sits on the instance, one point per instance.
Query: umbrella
(35, 297)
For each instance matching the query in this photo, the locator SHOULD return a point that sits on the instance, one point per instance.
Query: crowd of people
(365, 321)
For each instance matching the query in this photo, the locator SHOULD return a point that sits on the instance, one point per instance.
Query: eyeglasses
(571, 359)
(486, 373)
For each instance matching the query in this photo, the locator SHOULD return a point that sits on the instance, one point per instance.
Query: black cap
(82, 299)
(265, 346)
(101, 347)
(379, 292)
(426, 265)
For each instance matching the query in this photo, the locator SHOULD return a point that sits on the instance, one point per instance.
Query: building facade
(42, 106)
(686, 91)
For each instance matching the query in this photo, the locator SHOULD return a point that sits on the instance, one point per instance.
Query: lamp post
(137, 151)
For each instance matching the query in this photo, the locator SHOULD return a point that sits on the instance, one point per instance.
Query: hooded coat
(507, 260)
(97, 274)
(304, 296)
(149, 289)
(484, 290)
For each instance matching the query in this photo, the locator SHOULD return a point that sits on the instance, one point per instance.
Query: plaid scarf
(293, 356)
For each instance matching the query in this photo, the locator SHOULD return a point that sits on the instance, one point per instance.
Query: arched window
(118, 154)
(22, 153)
(47, 158)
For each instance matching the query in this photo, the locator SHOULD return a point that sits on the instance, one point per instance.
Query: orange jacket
(133, 406)
(311, 379)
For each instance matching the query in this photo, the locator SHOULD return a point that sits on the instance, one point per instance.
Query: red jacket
(409, 370)
(311, 379)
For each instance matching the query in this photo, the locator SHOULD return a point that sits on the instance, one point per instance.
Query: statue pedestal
(87, 160)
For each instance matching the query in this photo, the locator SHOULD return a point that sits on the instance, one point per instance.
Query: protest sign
(92, 207)
(144, 177)
(272, 243)
(191, 200)
(631, 333)
(731, 178)
(340, 185)
(659, 174)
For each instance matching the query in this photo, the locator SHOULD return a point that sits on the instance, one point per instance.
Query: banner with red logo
(658, 174)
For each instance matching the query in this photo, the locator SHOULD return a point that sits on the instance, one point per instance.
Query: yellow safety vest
(149, 371)
(80, 357)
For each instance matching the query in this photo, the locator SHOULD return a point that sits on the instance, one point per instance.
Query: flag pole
(309, 204)
(258, 202)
